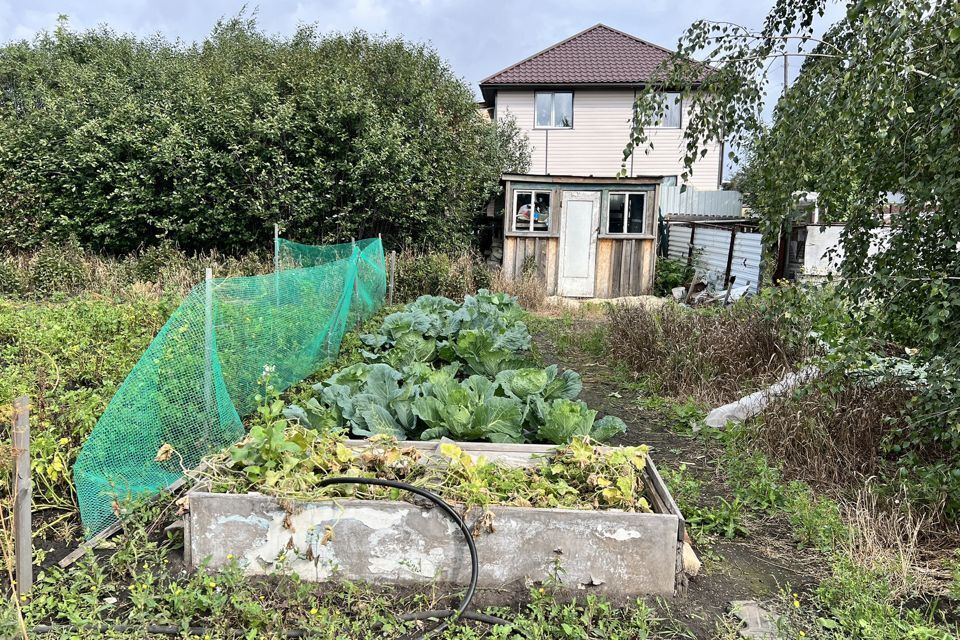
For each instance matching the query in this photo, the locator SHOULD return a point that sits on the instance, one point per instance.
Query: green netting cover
(199, 375)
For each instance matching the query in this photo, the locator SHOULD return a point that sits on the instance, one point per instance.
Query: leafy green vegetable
(527, 382)
(379, 404)
(563, 419)
(486, 353)
(607, 427)
(468, 410)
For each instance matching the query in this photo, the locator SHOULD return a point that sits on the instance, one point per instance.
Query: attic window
(672, 112)
(554, 110)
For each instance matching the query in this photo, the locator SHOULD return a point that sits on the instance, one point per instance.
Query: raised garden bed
(617, 553)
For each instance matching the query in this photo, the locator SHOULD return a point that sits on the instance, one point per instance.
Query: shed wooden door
(579, 225)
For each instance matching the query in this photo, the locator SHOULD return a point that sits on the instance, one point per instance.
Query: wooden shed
(585, 237)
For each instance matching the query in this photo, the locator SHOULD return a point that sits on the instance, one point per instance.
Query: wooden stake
(22, 497)
(393, 271)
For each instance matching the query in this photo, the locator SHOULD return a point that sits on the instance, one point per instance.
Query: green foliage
(468, 410)
(860, 603)
(405, 389)
(133, 140)
(69, 358)
(722, 517)
(577, 475)
(563, 419)
(875, 104)
(671, 273)
(454, 275)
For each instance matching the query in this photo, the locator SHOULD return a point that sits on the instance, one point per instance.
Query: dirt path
(756, 567)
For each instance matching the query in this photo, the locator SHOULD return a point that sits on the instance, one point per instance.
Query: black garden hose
(443, 614)
(453, 515)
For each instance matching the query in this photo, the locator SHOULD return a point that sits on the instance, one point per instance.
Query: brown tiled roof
(598, 55)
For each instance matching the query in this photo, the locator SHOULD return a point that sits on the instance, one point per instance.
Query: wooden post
(22, 497)
(208, 355)
(729, 267)
(393, 272)
(276, 265)
(356, 277)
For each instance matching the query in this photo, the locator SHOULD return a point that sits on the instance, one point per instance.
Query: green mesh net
(199, 375)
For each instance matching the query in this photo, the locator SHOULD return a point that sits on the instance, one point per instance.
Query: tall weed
(714, 355)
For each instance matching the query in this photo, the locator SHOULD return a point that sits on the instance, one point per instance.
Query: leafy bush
(670, 273)
(133, 140)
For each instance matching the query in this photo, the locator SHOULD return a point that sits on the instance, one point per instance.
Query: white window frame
(626, 214)
(533, 201)
(679, 125)
(553, 110)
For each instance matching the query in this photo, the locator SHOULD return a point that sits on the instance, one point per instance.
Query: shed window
(554, 110)
(531, 210)
(625, 213)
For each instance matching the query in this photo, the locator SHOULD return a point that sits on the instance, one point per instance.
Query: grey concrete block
(619, 555)
(758, 622)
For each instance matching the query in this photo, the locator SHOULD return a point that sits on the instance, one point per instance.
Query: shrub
(831, 431)
(57, 270)
(450, 275)
(134, 140)
(670, 273)
(715, 355)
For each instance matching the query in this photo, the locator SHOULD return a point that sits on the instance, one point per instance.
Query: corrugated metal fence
(690, 202)
(714, 248)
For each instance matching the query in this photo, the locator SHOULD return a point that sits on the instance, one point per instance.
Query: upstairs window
(554, 110)
(625, 213)
(672, 112)
(531, 211)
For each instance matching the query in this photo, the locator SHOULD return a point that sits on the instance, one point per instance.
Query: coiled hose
(444, 614)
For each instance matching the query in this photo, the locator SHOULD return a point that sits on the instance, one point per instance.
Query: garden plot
(544, 501)
(599, 537)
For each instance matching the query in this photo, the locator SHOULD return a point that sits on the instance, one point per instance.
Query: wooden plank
(563, 179)
(642, 266)
(393, 272)
(22, 496)
(507, 264)
(624, 269)
(631, 264)
(616, 259)
(541, 251)
(604, 256)
(553, 246)
(651, 267)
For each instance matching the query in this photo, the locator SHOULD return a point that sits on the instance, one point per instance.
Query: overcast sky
(477, 37)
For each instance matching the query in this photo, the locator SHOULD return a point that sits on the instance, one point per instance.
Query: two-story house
(588, 232)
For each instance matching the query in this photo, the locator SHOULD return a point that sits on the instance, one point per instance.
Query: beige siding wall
(594, 146)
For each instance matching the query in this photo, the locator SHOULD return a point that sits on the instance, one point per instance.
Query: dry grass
(908, 546)
(832, 433)
(439, 274)
(715, 356)
(529, 289)
(67, 270)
